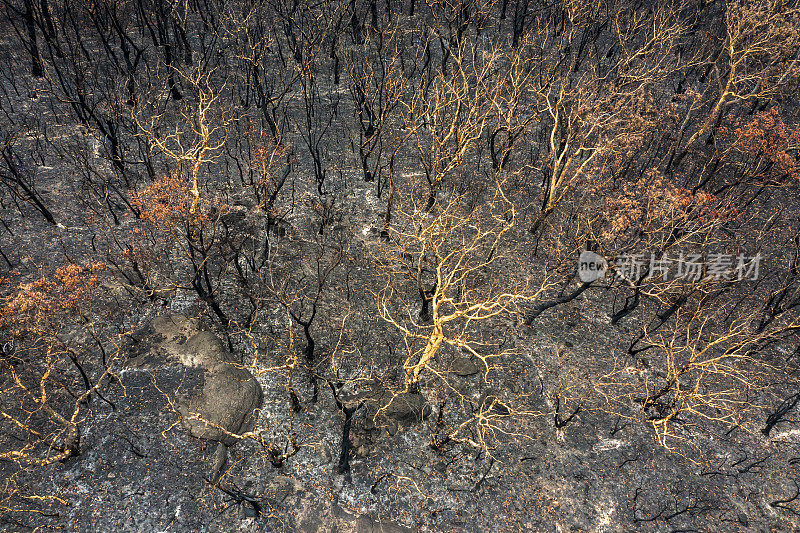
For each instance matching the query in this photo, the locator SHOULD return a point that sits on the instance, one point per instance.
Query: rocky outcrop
(406, 407)
(229, 397)
(464, 367)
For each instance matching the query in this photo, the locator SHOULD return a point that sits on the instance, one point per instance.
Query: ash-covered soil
(275, 266)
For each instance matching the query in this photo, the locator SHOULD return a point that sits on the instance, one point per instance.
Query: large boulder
(464, 367)
(406, 407)
(228, 399)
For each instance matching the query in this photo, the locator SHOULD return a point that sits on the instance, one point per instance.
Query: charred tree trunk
(425, 297)
(343, 466)
(33, 46)
(541, 308)
(780, 412)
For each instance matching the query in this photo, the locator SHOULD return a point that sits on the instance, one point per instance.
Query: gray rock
(281, 487)
(407, 407)
(218, 462)
(311, 524)
(206, 350)
(174, 330)
(229, 399)
(230, 396)
(464, 366)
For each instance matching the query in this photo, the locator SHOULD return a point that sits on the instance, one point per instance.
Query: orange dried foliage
(767, 136)
(35, 304)
(164, 202)
(651, 204)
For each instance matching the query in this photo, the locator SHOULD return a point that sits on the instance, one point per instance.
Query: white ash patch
(791, 434)
(605, 444)
(604, 514)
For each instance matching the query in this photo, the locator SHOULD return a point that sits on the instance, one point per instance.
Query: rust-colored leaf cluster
(164, 202)
(767, 138)
(34, 305)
